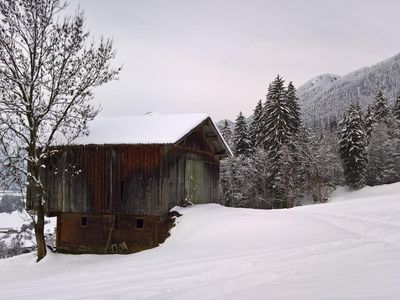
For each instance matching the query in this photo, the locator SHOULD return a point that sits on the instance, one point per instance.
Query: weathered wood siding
(132, 179)
(176, 162)
(105, 179)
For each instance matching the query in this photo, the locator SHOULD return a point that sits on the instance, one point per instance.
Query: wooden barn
(112, 191)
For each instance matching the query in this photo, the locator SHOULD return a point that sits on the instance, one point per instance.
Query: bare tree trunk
(37, 194)
(39, 232)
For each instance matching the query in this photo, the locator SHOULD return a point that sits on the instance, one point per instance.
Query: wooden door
(197, 182)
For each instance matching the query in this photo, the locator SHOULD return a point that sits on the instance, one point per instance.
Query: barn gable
(208, 133)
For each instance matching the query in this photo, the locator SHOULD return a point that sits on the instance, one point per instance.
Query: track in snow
(340, 250)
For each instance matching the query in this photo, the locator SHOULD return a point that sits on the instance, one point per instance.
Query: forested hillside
(328, 96)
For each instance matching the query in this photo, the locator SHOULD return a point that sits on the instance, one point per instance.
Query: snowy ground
(15, 220)
(346, 249)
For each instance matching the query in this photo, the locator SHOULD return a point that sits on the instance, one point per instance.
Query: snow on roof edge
(180, 138)
(222, 138)
(141, 130)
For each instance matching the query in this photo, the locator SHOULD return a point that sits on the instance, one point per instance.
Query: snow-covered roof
(151, 128)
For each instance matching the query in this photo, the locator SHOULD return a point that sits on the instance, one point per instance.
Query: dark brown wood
(101, 233)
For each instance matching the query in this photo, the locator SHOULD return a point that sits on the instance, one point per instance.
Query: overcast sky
(218, 57)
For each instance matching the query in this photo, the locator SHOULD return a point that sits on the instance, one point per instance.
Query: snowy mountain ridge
(330, 95)
(318, 82)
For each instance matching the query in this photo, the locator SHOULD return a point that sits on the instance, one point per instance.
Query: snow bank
(340, 250)
(368, 192)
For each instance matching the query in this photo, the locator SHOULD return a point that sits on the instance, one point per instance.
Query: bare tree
(48, 71)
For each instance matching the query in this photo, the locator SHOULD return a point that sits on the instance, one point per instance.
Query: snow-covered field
(15, 220)
(346, 249)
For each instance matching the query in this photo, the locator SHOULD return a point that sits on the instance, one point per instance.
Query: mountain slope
(316, 84)
(331, 95)
(346, 249)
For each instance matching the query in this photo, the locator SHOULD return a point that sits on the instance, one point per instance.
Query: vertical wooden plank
(89, 164)
(141, 178)
(100, 178)
(84, 180)
(64, 206)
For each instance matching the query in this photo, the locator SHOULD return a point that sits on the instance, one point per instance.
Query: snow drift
(346, 249)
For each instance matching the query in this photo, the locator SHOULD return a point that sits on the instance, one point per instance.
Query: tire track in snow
(364, 222)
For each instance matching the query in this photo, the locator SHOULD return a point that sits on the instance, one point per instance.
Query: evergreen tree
(283, 179)
(241, 140)
(231, 181)
(322, 164)
(256, 126)
(238, 183)
(396, 111)
(279, 125)
(226, 132)
(262, 177)
(381, 108)
(369, 121)
(384, 155)
(294, 107)
(352, 148)
(277, 120)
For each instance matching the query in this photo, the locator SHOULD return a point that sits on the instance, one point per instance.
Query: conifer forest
(280, 160)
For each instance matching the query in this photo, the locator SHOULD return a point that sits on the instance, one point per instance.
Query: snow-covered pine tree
(396, 110)
(278, 127)
(352, 148)
(230, 181)
(241, 140)
(277, 120)
(261, 176)
(238, 183)
(320, 162)
(226, 132)
(381, 109)
(293, 104)
(377, 154)
(384, 153)
(369, 121)
(256, 126)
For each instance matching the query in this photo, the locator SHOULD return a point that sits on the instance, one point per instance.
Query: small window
(84, 221)
(139, 223)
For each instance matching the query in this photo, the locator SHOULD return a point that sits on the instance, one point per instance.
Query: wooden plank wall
(128, 179)
(105, 179)
(173, 169)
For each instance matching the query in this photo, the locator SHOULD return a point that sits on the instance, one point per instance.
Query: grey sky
(218, 57)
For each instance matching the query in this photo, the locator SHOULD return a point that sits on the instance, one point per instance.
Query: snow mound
(340, 250)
